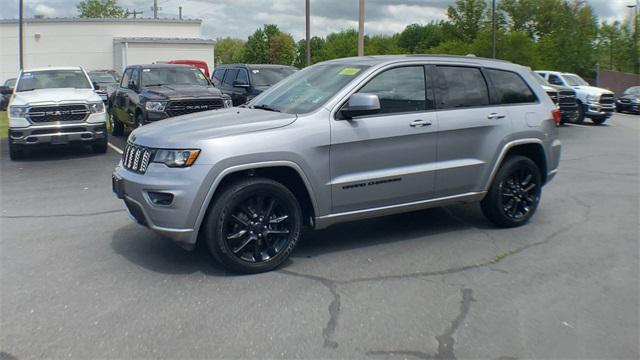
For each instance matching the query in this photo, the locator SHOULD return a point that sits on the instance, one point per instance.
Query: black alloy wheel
(253, 225)
(515, 193)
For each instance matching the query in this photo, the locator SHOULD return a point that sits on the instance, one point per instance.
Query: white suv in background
(595, 103)
(55, 106)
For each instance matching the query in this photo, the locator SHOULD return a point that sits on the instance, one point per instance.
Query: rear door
(239, 94)
(471, 129)
(387, 158)
(226, 86)
(120, 102)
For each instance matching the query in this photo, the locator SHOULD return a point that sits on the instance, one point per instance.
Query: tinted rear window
(460, 87)
(510, 88)
(230, 76)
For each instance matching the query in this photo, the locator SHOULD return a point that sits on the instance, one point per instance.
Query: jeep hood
(592, 90)
(181, 91)
(187, 130)
(48, 96)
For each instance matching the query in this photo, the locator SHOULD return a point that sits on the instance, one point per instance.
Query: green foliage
(339, 44)
(466, 18)
(100, 9)
(229, 51)
(614, 46)
(270, 46)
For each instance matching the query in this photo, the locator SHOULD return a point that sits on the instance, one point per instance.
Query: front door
(387, 158)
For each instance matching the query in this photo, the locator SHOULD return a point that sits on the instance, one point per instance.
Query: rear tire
(253, 225)
(117, 128)
(514, 194)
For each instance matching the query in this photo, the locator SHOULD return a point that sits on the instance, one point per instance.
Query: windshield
(173, 76)
(10, 83)
(633, 91)
(574, 80)
(270, 76)
(539, 79)
(52, 79)
(102, 78)
(308, 89)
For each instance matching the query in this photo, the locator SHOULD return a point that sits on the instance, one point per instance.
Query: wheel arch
(285, 172)
(530, 148)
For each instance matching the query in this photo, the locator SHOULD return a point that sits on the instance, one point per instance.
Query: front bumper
(599, 110)
(634, 107)
(175, 220)
(58, 134)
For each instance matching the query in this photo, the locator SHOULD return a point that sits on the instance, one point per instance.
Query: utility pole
(361, 28)
(636, 55)
(155, 9)
(180, 12)
(493, 28)
(308, 30)
(20, 35)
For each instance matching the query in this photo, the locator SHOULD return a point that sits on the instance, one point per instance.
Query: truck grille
(606, 99)
(567, 98)
(56, 113)
(553, 95)
(182, 107)
(136, 158)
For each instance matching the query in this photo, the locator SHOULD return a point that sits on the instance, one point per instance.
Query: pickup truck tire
(599, 121)
(100, 147)
(139, 121)
(253, 225)
(15, 151)
(514, 194)
(580, 118)
(117, 128)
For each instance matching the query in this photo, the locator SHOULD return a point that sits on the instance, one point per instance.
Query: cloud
(240, 18)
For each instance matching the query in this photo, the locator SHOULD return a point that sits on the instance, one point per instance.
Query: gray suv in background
(343, 140)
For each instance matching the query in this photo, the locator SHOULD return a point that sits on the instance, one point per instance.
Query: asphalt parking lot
(80, 280)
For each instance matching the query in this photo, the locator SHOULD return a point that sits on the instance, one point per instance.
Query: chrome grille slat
(182, 107)
(58, 113)
(136, 158)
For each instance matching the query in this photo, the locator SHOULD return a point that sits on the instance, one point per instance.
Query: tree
(417, 38)
(466, 18)
(270, 46)
(100, 9)
(229, 51)
(339, 44)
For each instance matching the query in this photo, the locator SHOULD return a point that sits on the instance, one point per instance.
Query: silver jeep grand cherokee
(342, 140)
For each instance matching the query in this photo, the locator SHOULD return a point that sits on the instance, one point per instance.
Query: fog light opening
(160, 198)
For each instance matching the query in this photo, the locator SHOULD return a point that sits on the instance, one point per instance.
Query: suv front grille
(56, 113)
(136, 158)
(606, 99)
(182, 107)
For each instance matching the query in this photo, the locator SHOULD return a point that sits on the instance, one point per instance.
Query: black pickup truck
(148, 93)
(562, 96)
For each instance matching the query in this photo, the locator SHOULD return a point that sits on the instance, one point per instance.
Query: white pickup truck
(55, 106)
(595, 103)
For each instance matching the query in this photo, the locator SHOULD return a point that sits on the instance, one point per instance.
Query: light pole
(361, 28)
(636, 56)
(20, 41)
(308, 29)
(493, 28)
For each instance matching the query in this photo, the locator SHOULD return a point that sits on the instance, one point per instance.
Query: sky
(240, 18)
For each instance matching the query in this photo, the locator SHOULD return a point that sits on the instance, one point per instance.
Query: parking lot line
(115, 148)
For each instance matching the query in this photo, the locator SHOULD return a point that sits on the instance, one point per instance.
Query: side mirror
(360, 104)
(5, 90)
(240, 84)
(95, 85)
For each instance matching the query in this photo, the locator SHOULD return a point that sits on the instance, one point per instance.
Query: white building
(101, 43)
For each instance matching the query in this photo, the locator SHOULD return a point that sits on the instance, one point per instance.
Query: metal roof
(103, 20)
(148, 40)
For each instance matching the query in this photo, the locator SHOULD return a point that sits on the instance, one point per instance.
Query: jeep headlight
(228, 103)
(176, 158)
(155, 105)
(592, 98)
(16, 111)
(96, 107)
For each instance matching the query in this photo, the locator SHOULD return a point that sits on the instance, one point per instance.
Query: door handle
(420, 123)
(495, 116)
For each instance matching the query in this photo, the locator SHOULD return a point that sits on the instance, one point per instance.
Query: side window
(555, 80)
(542, 75)
(125, 78)
(243, 76)
(135, 76)
(400, 90)
(461, 87)
(218, 74)
(230, 76)
(510, 88)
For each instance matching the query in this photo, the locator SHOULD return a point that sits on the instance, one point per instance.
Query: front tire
(253, 225)
(100, 147)
(15, 151)
(514, 194)
(580, 118)
(599, 121)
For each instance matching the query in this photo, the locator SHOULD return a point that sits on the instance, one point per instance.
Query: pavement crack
(61, 215)
(403, 353)
(334, 307)
(446, 340)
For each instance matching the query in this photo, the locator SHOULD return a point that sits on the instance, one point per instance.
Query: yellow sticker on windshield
(349, 71)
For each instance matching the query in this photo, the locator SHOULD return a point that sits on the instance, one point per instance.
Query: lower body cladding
(165, 200)
(58, 134)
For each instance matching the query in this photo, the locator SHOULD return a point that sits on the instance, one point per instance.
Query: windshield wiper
(265, 107)
(154, 84)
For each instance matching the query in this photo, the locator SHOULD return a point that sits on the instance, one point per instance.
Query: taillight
(557, 116)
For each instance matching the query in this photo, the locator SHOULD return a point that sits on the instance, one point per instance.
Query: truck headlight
(592, 98)
(16, 111)
(96, 107)
(155, 105)
(228, 103)
(176, 158)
